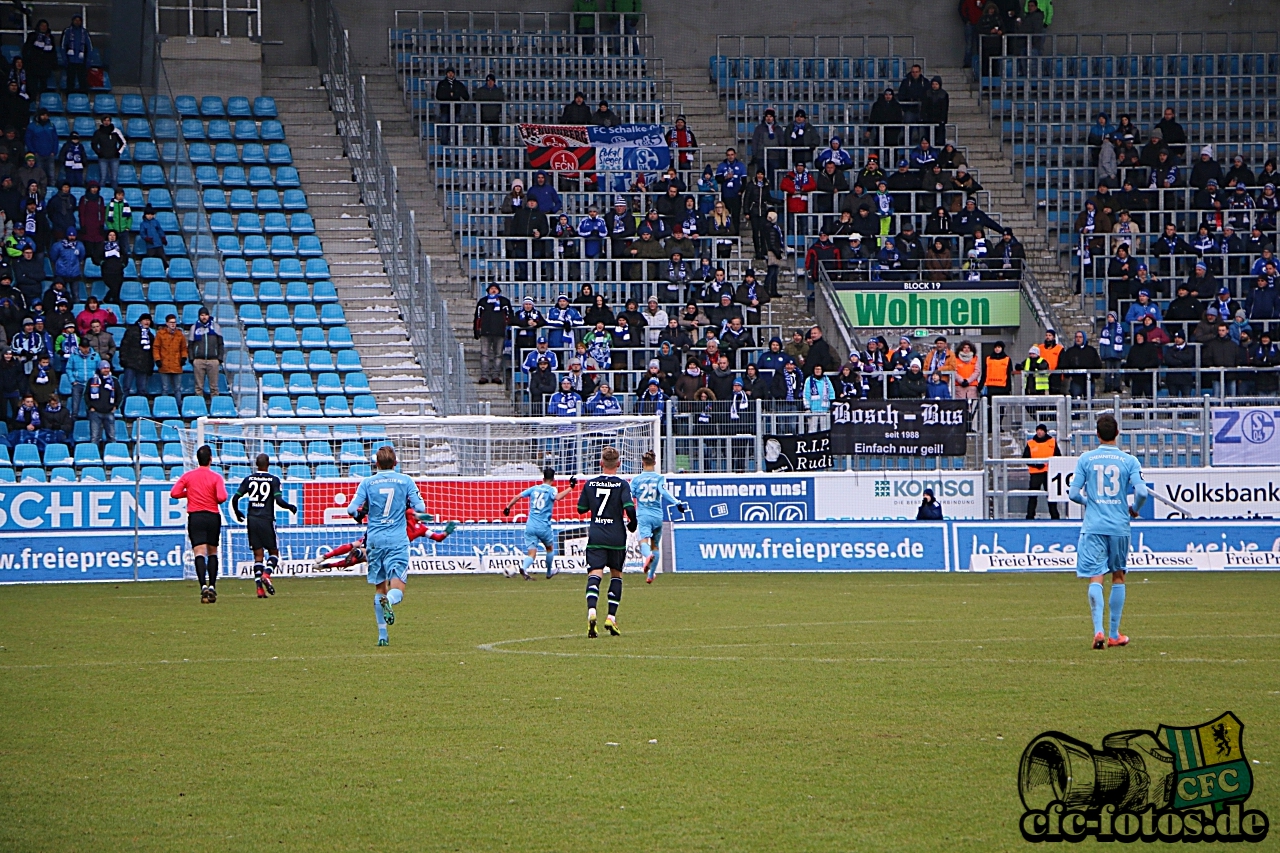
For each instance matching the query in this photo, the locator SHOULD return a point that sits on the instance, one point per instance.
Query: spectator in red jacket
(798, 183)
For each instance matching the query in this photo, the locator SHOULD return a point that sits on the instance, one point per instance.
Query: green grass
(790, 713)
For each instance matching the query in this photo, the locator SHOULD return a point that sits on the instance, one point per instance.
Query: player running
(650, 491)
(355, 553)
(265, 495)
(1104, 478)
(608, 498)
(537, 529)
(204, 491)
(384, 499)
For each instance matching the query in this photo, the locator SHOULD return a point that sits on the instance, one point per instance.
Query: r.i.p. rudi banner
(930, 304)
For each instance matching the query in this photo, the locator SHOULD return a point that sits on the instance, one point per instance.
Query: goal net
(467, 469)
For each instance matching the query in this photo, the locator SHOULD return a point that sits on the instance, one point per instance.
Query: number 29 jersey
(606, 498)
(263, 489)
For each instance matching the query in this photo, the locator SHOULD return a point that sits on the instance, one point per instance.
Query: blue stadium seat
(33, 475)
(62, 474)
(255, 246)
(335, 406)
(78, 104)
(137, 406)
(194, 406)
(221, 223)
(290, 268)
(269, 291)
(309, 407)
(206, 269)
(158, 198)
(152, 176)
(248, 223)
(364, 406)
(245, 131)
(293, 200)
(324, 291)
(159, 291)
(300, 383)
(292, 361)
(87, 454)
(269, 200)
(238, 107)
(275, 223)
(93, 474)
(137, 129)
(105, 105)
(356, 383)
(211, 106)
(152, 474)
(305, 315)
(180, 268)
(298, 473)
(287, 177)
(192, 130)
(116, 453)
(241, 200)
(271, 131)
(257, 338)
(186, 106)
(278, 154)
(320, 361)
(148, 453)
(331, 315)
(328, 383)
(313, 338)
(222, 406)
(297, 292)
(233, 176)
(132, 105)
(164, 406)
(152, 268)
(260, 177)
(282, 247)
(252, 154)
(292, 453)
(185, 292)
(273, 383)
(207, 176)
(309, 247)
(285, 337)
(226, 154)
(301, 223)
(279, 406)
(165, 130)
(214, 199)
(262, 269)
(171, 453)
(277, 315)
(264, 107)
(57, 454)
(233, 453)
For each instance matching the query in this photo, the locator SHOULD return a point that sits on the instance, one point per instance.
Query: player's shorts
(204, 528)
(649, 526)
(387, 563)
(1100, 554)
(262, 534)
(533, 537)
(606, 558)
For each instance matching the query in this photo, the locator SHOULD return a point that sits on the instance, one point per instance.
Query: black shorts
(606, 558)
(262, 533)
(204, 528)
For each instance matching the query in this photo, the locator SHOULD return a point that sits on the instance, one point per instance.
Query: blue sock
(395, 596)
(377, 616)
(1095, 606)
(645, 549)
(526, 563)
(1117, 608)
(551, 561)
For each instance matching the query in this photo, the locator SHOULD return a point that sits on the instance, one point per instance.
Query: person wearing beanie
(493, 316)
(605, 117)
(1035, 371)
(681, 139)
(1040, 447)
(576, 111)
(514, 199)
(151, 234)
(491, 95)
(930, 509)
(101, 398)
(913, 384)
(137, 357)
(997, 372)
(450, 92)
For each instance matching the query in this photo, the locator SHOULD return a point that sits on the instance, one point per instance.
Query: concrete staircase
(342, 223)
(705, 114)
(1008, 198)
(417, 189)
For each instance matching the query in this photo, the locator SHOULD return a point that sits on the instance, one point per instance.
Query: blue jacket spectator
(603, 404)
(546, 195)
(81, 367)
(773, 360)
(731, 175)
(1261, 303)
(561, 321)
(1142, 308)
(930, 509)
(42, 139)
(565, 402)
(68, 256)
(834, 153)
(76, 43)
(593, 229)
(936, 387)
(150, 232)
(653, 401)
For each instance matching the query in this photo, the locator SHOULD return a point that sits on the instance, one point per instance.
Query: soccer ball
(509, 571)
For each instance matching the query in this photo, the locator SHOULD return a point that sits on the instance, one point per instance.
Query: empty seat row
(219, 130)
(316, 361)
(269, 223)
(294, 292)
(209, 106)
(202, 153)
(334, 406)
(277, 314)
(242, 199)
(325, 384)
(281, 246)
(287, 338)
(262, 269)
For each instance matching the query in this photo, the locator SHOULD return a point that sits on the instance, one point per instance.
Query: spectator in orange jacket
(170, 353)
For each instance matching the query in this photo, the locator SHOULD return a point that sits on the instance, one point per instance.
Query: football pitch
(801, 712)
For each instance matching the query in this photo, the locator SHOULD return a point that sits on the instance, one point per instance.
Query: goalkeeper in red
(607, 497)
(355, 553)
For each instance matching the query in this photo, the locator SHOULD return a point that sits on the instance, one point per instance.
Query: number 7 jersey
(606, 498)
(1103, 480)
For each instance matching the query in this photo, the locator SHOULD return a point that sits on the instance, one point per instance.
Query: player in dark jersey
(608, 498)
(265, 495)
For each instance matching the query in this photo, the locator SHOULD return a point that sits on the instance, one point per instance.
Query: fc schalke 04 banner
(1246, 436)
(571, 147)
(809, 452)
(900, 427)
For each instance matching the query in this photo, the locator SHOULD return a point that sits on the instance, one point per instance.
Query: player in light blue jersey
(537, 530)
(1103, 481)
(650, 492)
(384, 499)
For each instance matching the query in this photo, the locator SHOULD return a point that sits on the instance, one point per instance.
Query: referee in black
(263, 489)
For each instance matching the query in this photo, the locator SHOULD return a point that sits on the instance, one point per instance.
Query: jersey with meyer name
(607, 498)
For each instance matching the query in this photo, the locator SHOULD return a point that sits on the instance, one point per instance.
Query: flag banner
(570, 147)
(809, 452)
(900, 427)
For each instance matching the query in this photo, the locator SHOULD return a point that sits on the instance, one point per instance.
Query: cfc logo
(1173, 784)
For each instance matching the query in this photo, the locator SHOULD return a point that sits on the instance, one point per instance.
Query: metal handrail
(223, 10)
(440, 356)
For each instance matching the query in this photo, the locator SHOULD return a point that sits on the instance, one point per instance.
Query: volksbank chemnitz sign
(931, 304)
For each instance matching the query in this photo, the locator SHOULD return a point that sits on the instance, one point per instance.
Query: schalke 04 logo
(1173, 784)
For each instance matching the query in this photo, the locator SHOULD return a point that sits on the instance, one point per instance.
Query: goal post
(467, 469)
